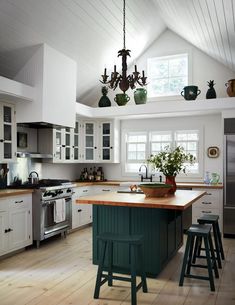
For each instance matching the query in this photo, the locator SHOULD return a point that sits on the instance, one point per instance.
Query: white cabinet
(211, 203)
(100, 141)
(7, 133)
(59, 142)
(15, 223)
(81, 213)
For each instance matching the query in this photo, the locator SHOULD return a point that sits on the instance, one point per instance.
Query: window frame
(172, 54)
(148, 150)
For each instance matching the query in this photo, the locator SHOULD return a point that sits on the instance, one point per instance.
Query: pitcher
(215, 178)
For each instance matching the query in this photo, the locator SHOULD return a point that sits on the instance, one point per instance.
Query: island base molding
(162, 230)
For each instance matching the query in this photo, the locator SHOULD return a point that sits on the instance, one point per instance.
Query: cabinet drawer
(20, 201)
(207, 211)
(211, 200)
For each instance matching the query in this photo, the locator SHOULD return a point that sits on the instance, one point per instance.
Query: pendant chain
(124, 24)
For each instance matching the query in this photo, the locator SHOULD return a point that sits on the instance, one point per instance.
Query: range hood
(33, 155)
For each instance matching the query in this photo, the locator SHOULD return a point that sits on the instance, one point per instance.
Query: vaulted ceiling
(90, 31)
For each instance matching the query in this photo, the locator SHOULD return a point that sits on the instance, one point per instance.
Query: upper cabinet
(90, 141)
(7, 133)
(53, 76)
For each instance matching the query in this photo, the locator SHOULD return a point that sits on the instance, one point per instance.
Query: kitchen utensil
(33, 180)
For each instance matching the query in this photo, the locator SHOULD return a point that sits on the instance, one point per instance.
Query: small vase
(140, 96)
(230, 87)
(171, 180)
(104, 100)
(211, 93)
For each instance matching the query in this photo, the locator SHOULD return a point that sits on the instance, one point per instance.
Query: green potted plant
(170, 162)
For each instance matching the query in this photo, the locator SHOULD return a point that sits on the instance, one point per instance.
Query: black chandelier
(123, 80)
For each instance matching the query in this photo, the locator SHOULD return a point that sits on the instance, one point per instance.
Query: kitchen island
(158, 219)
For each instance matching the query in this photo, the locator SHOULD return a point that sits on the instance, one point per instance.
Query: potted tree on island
(170, 162)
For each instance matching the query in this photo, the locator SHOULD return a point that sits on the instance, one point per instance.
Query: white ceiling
(90, 31)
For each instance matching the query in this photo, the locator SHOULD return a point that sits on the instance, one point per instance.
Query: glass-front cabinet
(7, 133)
(76, 142)
(90, 138)
(106, 139)
(63, 144)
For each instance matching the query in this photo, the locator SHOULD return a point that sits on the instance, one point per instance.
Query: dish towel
(59, 210)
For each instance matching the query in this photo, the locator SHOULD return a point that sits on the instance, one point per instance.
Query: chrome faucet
(146, 174)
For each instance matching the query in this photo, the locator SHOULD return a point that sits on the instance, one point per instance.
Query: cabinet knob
(95, 147)
(1, 140)
(206, 202)
(79, 210)
(20, 201)
(111, 147)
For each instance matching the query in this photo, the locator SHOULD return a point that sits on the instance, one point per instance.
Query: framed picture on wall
(213, 152)
(22, 140)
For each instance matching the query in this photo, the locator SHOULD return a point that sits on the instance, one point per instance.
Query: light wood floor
(61, 273)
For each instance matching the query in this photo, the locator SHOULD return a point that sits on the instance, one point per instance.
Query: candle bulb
(104, 71)
(135, 68)
(143, 73)
(114, 68)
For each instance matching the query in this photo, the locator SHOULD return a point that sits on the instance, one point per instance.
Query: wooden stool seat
(214, 221)
(204, 232)
(136, 251)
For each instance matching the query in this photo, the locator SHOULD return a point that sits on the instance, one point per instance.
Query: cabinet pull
(206, 212)
(1, 140)
(206, 202)
(85, 191)
(79, 210)
(95, 147)
(208, 193)
(111, 147)
(20, 201)
(6, 231)
(105, 190)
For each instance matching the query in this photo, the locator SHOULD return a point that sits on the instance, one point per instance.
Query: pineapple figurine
(211, 91)
(104, 100)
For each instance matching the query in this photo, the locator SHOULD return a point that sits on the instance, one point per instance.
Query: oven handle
(49, 202)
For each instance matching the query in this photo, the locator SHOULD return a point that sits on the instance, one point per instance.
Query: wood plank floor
(60, 272)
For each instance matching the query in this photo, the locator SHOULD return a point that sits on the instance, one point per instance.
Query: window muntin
(167, 75)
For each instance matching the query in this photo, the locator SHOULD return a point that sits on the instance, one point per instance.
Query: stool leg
(217, 247)
(196, 248)
(110, 264)
(141, 266)
(133, 276)
(181, 282)
(190, 255)
(100, 270)
(213, 257)
(209, 265)
(220, 241)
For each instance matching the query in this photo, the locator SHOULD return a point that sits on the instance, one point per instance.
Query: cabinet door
(58, 145)
(20, 228)
(77, 152)
(81, 213)
(106, 142)
(3, 232)
(90, 145)
(68, 144)
(7, 133)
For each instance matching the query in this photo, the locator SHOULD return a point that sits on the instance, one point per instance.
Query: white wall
(203, 67)
(212, 134)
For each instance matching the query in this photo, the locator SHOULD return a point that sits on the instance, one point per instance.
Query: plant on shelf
(170, 162)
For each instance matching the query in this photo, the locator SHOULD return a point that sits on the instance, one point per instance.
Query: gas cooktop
(41, 183)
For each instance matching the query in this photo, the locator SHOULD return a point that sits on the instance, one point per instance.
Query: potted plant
(170, 162)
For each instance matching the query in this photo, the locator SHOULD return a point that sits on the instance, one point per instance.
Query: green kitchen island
(159, 220)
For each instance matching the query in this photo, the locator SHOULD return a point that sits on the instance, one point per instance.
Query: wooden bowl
(155, 189)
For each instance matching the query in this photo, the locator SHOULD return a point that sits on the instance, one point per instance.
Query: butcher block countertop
(14, 192)
(121, 183)
(179, 201)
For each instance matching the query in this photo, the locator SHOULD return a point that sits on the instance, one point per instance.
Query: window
(140, 145)
(136, 150)
(167, 75)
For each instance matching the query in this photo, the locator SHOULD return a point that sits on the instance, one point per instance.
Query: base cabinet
(15, 223)
(211, 203)
(81, 213)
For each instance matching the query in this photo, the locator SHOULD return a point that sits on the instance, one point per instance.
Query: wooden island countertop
(181, 200)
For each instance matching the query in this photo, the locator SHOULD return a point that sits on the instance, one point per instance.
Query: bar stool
(203, 231)
(213, 220)
(136, 249)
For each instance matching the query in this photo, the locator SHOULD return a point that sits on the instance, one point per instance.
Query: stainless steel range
(52, 209)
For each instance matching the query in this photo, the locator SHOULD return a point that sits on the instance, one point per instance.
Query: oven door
(56, 216)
